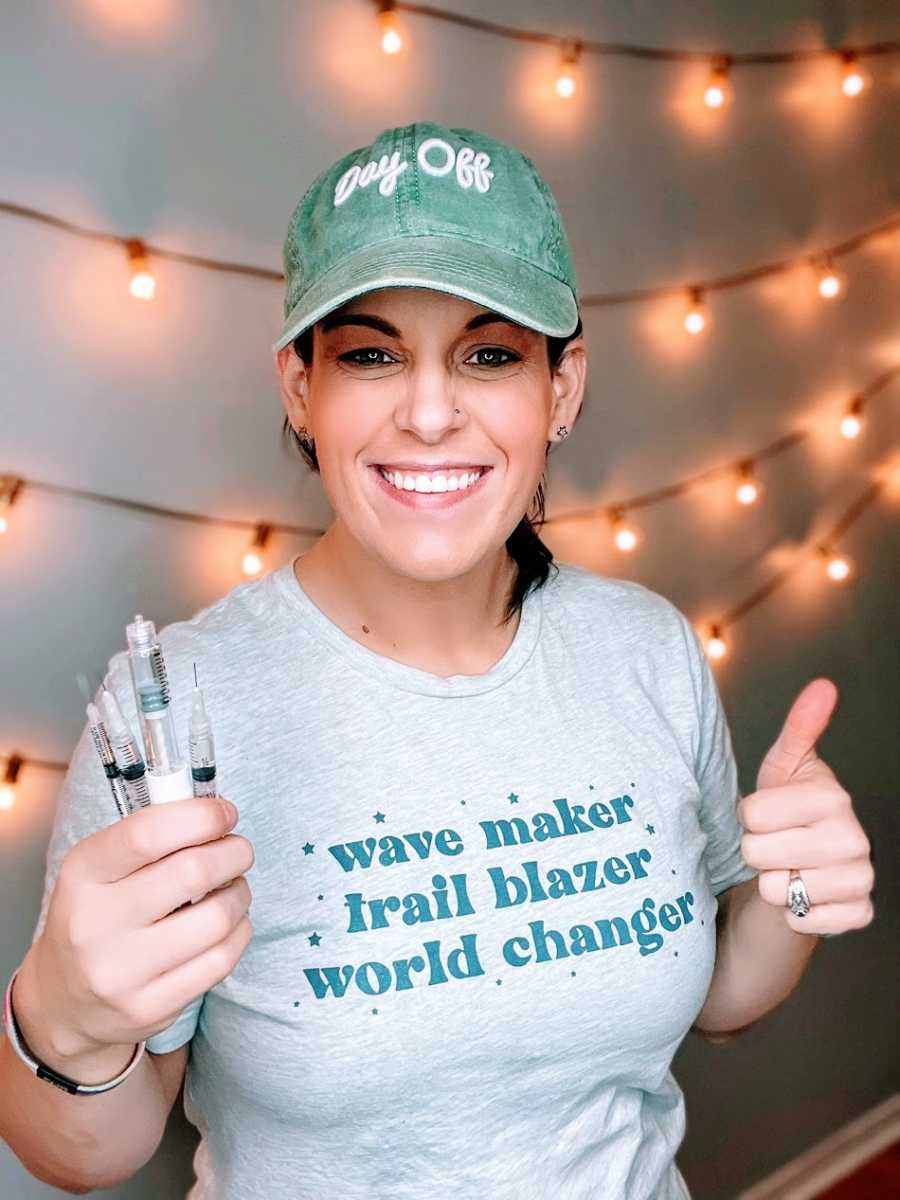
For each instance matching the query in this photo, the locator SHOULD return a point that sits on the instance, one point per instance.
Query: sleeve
(716, 773)
(84, 806)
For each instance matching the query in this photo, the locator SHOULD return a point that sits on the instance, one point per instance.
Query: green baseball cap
(431, 207)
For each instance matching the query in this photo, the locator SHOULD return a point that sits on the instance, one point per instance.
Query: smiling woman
(477, 771)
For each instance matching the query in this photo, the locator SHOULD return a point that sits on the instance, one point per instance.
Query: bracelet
(42, 1070)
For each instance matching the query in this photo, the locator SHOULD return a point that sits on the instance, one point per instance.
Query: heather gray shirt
(483, 906)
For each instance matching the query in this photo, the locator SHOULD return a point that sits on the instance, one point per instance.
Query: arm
(759, 962)
(79, 1143)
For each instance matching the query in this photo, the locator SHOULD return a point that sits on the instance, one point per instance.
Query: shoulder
(631, 609)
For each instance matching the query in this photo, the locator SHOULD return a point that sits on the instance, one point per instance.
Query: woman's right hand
(119, 957)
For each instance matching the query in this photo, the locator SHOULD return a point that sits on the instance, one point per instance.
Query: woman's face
(400, 380)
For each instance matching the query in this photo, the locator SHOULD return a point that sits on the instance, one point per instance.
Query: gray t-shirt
(483, 906)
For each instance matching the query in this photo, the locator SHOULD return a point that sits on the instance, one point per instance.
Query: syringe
(108, 761)
(168, 775)
(128, 758)
(203, 751)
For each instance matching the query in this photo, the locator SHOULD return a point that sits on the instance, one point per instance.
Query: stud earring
(562, 431)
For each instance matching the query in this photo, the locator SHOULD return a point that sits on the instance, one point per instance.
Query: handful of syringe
(159, 774)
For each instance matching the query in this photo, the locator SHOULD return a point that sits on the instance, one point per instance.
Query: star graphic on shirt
(308, 848)
(513, 798)
(314, 939)
(650, 829)
(590, 787)
(379, 818)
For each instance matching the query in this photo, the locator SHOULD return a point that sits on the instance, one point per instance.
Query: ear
(294, 388)
(568, 388)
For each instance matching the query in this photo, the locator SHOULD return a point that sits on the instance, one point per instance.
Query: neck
(449, 627)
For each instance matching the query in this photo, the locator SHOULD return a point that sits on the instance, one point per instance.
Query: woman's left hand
(800, 818)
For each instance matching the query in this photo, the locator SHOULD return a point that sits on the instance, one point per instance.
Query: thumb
(805, 723)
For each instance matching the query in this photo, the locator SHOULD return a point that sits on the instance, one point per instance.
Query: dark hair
(532, 557)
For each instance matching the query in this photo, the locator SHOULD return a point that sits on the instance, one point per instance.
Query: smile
(451, 487)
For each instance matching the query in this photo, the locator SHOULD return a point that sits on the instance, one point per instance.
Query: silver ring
(797, 896)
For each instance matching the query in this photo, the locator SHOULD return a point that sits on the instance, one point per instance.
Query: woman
(488, 800)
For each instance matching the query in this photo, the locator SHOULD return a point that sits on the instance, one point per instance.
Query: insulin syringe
(108, 761)
(168, 775)
(203, 750)
(128, 757)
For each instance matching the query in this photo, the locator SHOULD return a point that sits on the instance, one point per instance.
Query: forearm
(76, 1142)
(759, 961)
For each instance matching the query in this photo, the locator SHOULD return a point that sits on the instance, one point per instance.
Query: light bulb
(851, 422)
(696, 317)
(142, 284)
(716, 646)
(838, 568)
(830, 282)
(252, 563)
(625, 537)
(8, 784)
(854, 79)
(389, 30)
(748, 489)
(254, 558)
(747, 493)
(10, 487)
(567, 79)
(717, 93)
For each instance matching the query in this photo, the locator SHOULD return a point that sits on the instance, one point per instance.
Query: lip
(427, 468)
(429, 501)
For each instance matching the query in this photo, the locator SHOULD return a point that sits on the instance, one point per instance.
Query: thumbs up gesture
(800, 818)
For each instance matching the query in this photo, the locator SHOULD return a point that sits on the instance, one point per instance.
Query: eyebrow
(334, 320)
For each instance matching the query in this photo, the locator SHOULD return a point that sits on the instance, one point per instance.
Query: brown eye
(354, 357)
(494, 352)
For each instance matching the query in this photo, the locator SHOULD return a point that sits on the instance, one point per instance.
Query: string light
(142, 285)
(851, 422)
(10, 486)
(389, 27)
(716, 646)
(8, 786)
(567, 79)
(830, 282)
(854, 80)
(748, 489)
(254, 559)
(625, 537)
(587, 300)
(837, 566)
(718, 90)
(697, 316)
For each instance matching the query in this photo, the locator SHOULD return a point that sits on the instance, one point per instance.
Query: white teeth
(430, 483)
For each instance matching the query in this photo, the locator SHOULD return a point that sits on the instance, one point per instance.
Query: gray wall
(199, 132)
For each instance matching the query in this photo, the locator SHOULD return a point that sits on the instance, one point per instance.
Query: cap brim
(487, 276)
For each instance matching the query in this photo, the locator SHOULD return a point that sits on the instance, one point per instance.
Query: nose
(430, 405)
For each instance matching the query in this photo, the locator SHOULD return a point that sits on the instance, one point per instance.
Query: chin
(431, 560)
